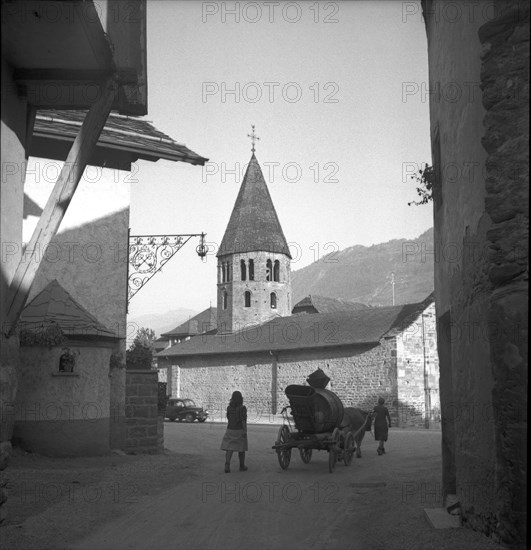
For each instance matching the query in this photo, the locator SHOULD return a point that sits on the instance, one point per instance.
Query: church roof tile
(320, 330)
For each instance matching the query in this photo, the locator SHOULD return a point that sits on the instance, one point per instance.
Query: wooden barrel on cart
(314, 410)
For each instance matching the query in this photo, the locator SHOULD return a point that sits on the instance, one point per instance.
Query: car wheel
(172, 418)
(189, 417)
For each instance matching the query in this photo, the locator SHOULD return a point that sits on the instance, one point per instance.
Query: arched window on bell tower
(269, 270)
(273, 299)
(276, 271)
(247, 298)
(225, 299)
(251, 270)
(243, 269)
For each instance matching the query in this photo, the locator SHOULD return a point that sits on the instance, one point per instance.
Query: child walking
(381, 426)
(235, 438)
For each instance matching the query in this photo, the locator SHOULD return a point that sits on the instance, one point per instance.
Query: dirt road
(375, 504)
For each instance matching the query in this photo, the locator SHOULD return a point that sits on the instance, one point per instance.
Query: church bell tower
(254, 276)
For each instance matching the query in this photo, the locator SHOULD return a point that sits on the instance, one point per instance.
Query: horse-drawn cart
(318, 415)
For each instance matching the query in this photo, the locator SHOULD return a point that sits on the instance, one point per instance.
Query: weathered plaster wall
(13, 143)
(90, 262)
(460, 226)
(63, 414)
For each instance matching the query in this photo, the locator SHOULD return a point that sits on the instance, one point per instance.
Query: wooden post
(274, 384)
(58, 202)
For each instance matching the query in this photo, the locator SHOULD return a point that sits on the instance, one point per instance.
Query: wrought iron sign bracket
(149, 253)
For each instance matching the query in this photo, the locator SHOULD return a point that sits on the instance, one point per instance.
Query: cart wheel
(349, 448)
(333, 450)
(283, 454)
(306, 455)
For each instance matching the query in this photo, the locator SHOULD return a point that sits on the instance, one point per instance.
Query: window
(243, 269)
(247, 298)
(251, 270)
(276, 271)
(225, 299)
(269, 270)
(67, 361)
(273, 300)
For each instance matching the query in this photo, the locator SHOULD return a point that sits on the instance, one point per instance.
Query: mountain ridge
(363, 273)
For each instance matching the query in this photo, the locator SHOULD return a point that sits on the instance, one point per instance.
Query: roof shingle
(324, 304)
(202, 322)
(253, 225)
(55, 305)
(320, 330)
(136, 136)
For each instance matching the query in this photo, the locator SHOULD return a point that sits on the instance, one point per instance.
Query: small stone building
(63, 403)
(388, 352)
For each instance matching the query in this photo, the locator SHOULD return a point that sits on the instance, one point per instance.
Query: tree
(145, 337)
(140, 355)
(425, 179)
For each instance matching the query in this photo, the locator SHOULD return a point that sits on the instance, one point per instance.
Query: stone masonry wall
(358, 375)
(142, 431)
(418, 372)
(236, 316)
(481, 243)
(505, 85)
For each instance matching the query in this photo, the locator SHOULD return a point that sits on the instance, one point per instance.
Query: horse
(358, 422)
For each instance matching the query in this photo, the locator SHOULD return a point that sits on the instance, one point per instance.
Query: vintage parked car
(184, 410)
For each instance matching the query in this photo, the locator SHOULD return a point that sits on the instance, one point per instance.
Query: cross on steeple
(253, 137)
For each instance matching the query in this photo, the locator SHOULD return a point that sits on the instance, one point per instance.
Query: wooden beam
(58, 202)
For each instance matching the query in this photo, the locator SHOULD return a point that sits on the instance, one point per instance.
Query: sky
(323, 82)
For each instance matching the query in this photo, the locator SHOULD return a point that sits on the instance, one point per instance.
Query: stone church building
(259, 347)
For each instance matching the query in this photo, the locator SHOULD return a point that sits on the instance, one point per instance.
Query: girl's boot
(228, 456)
(243, 467)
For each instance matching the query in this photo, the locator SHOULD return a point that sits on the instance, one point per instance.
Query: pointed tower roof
(253, 224)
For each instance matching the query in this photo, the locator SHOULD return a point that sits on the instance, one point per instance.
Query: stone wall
(505, 84)
(480, 144)
(141, 411)
(359, 375)
(236, 316)
(418, 373)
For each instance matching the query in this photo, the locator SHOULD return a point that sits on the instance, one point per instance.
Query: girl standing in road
(235, 438)
(381, 426)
